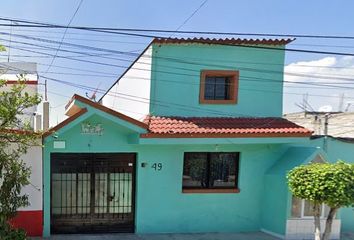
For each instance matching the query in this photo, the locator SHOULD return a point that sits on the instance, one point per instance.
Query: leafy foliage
(329, 183)
(16, 136)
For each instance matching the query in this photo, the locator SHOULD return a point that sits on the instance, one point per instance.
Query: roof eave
(227, 135)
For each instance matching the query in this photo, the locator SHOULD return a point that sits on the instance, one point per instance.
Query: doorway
(92, 192)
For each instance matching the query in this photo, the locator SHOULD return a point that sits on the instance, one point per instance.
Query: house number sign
(157, 166)
(92, 129)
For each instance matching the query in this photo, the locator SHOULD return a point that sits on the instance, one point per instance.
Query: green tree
(328, 183)
(16, 136)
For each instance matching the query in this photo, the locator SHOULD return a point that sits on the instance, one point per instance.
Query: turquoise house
(189, 139)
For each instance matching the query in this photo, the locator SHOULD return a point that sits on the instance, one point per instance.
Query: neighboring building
(339, 124)
(336, 138)
(29, 218)
(12, 71)
(190, 139)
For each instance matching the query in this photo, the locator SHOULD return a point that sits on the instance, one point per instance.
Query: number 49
(157, 166)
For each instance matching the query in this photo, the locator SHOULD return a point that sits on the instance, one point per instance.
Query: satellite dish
(326, 108)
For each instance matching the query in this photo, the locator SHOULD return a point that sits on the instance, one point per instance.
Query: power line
(142, 43)
(91, 48)
(261, 79)
(110, 93)
(170, 59)
(105, 74)
(194, 75)
(190, 16)
(35, 24)
(196, 41)
(62, 38)
(145, 100)
(239, 45)
(212, 60)
(314, 84)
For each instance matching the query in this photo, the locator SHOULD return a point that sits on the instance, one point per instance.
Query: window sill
(231, 101)
(231, 190)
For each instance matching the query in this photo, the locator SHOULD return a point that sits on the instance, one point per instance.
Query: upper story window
(218, 87)
(210, 172)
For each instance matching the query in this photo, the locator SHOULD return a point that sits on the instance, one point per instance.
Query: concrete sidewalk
(196, 236)
(199, 236)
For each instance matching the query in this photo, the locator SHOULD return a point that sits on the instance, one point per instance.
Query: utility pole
(8, 56)
(45, 91)
(341, 102)
(325, 132)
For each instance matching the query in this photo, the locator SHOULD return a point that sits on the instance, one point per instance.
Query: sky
(273, 16)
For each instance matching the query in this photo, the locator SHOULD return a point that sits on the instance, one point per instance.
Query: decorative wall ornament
(92, 129)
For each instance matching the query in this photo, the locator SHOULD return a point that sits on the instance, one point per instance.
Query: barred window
(204, 170)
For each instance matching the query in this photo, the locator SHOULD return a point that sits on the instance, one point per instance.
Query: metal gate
(92, 193)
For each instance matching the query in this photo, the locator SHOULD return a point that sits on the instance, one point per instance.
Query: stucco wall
(176, 78)
(160, 204)
(274, 204)
(162, 207)
(339, 150)
(30, 218)
(131, 94)
(33, 159)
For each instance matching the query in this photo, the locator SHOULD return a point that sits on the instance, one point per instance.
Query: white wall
(300, 229)
(131, 95)
(33, 159)
(10, 72)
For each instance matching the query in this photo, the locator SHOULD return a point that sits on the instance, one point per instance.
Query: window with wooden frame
(210, 172)
(218, 87)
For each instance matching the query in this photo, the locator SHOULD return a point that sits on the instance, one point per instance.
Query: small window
(210, 171)
(304, 209)
(218, 87)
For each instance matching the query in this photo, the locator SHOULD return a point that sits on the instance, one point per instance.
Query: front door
(92, 193)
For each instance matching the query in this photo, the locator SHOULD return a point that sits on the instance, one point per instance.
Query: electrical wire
(113, 51)
(62, 38)
(35, 24)
(195, 75)
(198, 41)
(185, 62)
(190, 16)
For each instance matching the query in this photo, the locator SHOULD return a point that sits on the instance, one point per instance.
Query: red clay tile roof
(228, 41)
(174, 127)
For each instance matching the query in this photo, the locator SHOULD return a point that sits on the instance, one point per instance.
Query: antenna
(93, 96)
(304, 101)
(309, 105)
(300, 106)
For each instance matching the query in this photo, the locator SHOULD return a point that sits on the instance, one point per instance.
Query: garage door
(92, 193)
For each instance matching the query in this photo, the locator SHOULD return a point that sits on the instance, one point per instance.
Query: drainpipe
(45, 116)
